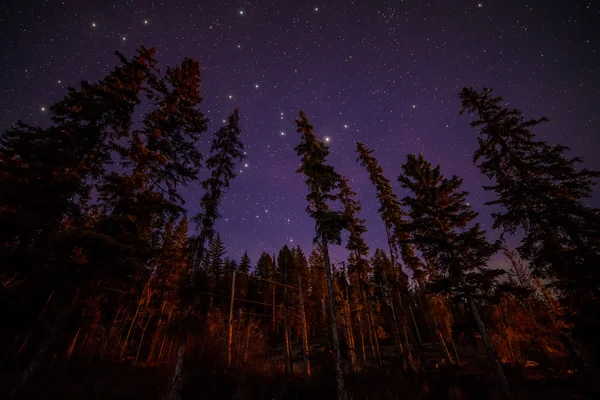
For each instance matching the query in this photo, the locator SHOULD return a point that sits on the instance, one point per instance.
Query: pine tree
(391, 212)
(265, 271)
(45, 172)
(542, 192)
(322, 182)
(225, 150)
(241, 279)
(214, 266)
(441, 231)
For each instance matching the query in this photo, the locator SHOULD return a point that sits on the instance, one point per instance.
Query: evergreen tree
(214, 265)
(322, 182)
(241, 279)
(44, 185)
(391, 212)
(225, 150)
(542, 192)
(287, 272)
(441, 228)
(265, 271)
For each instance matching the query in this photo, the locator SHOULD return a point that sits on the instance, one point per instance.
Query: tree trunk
(415, 322)
(304, 330)
(373, 330)
(176, 384)
(361, 332)
(38, 358)
(339, 373)
(491, 351)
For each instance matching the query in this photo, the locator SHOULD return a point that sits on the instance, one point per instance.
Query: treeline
(99, 266)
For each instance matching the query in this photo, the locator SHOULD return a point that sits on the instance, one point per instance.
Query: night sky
(385, 72)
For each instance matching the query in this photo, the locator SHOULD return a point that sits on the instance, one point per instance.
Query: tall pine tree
(323, 182)
(226, 149)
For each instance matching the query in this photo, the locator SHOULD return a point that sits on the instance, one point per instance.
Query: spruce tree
(241, 279)
(390, 211)
(542, 192)
(323, 182)
(226, 149)
(457, 250)
(47, 173)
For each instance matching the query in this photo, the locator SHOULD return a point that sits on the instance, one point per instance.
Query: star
(414, 106)
(256, 85)
(346, 126)
(316, 8)
(145, 22)
(282, 133)
(239, 46)
(59, 81)
(327, 138)
(124, 38)
(479, 5)
(241, 12)
(93, 24)
(230, 97)
(43, 108)
(246, 165)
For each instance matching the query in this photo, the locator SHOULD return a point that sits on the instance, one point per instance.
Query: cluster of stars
(377, 72)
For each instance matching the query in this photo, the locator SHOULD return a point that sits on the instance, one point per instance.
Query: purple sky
(385, 72)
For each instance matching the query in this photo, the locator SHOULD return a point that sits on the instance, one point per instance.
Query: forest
(109, 291)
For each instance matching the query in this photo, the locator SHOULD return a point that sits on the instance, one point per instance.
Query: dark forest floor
(471, 380)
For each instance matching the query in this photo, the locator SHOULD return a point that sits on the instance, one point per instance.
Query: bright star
(241, 12)
(256, 86)
(246, 165)
(479, 5)
(59, 81)
(346, 126)
(414, 106)
(230, 96)
(146, 21)
(327, 139)
(124, 38)
(282, 133)
(43, 108)
(93, 24)
(316, 8)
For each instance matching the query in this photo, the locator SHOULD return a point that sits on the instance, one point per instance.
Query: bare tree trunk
(442, 341)
(230, 334)
(50, 339)
(288, 353)
(247, 341)
(137, 310)
(491, 351)
(304, 330)
(339, 373)
(176, 384)
(72, 346)
(350, 333)
(137, 356)
(373, 330)
(361, 332)
(415, 322)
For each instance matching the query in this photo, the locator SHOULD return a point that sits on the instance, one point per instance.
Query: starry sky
(384, 72)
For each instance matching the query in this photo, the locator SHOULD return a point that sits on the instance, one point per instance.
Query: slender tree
(322, 182)
(441, 222)
(226, 149)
